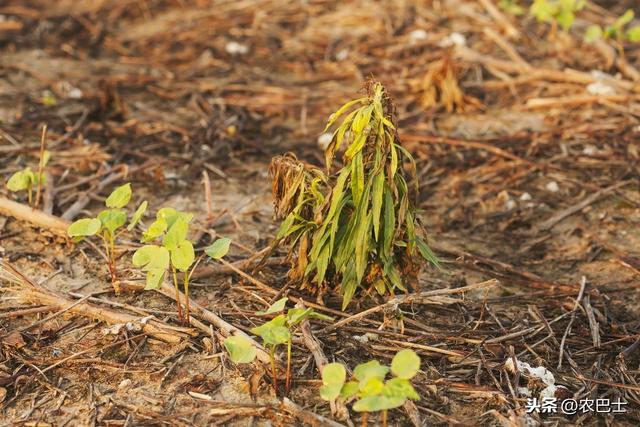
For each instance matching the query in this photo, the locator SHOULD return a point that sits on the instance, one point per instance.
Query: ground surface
(528, 175)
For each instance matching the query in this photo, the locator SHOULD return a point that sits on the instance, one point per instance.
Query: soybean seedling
(615, 31)
(175, 253)
(109, 225)
(562, 12)
(26, 179)
(278, 331)
(368, 386)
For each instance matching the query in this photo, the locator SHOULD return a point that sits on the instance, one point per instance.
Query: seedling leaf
(177, 234)
(219, 248)
(240, 349)
(21, 180)
(119, 197)
(84, 227)
(371, 369)
(276, 335)
(405, 364)
(151, 257)
(400, 387)
(183, 255)
(377, 403)
(155, 230)
(112, 219)
(137, 215)
(333, 378)
(275, 307)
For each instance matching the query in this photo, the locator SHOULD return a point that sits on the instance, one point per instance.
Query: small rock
(342, 54)
(235, 48)
(525, 197)
(417, 36)
(553, 187)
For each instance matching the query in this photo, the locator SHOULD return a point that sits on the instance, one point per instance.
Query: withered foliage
(355, 227)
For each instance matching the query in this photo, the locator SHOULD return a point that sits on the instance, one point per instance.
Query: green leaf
(377, 403)
(170, 215)
(119, 197)
(112, 219)
(240, 349)
(182, 256)
(177, 233)
(593, 33)
(137, 215)
(275, 307)
(371, 369)
(297, 315)
(154, 279)
(633, 34)
(219, 248)
(84, 227)
(427, 253)
(155, 230)
(350, 389)
(624, 19)
(21, 180)
(276, 335)
(371, 386)
(44, 160)
(151, 257)
(400, 387)
(376, 205)
(405, 364)
(279, 320)
(333, 378)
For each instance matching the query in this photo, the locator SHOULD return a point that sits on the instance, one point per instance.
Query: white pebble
(553, 187)
(235, 48)
(418, 35)
(525, 197)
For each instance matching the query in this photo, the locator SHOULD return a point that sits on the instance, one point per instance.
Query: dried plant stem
(43, 144)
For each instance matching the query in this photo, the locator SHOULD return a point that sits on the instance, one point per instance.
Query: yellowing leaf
(405, 364)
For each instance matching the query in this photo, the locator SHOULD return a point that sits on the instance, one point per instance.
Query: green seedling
(368, 386)
(240, 349)
(278, 331)
(109, 226)
(561, 12)
(359, 226)
(176, 253)
(27, 179)
(615, 31)
(511, 6)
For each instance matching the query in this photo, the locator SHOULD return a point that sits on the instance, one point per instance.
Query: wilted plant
(368, 386)
(27, 180)
(108, 225)
(175, 253)
(615, 31)
(278, 331)
(358, 228)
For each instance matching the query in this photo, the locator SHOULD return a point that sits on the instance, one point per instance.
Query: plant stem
(41, 164)
(112, 264)
(30, 195)
(272, 358)
(175, 285)
(287, 383)
(384, 418)
(365, 416)
(186, 294)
